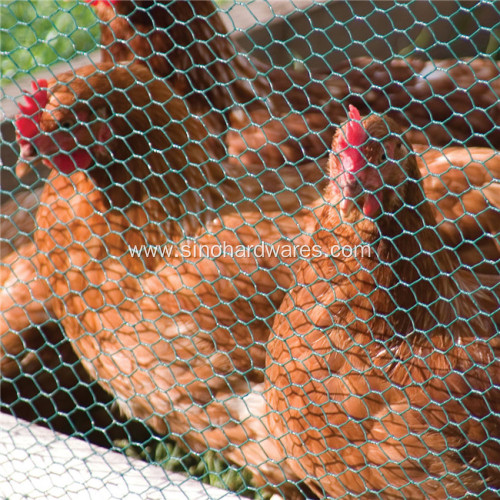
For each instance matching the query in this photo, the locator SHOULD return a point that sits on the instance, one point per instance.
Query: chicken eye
(383, 157)
(67, 124)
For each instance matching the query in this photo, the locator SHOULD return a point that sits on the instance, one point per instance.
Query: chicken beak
(351, 193)
(28, 154)
(22, 169)
(346, 206)
(360, 191)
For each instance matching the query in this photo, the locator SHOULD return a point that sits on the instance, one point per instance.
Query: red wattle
(68, 163)
(371, 205)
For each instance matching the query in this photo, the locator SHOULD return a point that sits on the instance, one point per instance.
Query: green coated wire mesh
(194, 275)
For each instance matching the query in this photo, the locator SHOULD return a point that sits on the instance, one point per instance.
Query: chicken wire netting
(192, 280)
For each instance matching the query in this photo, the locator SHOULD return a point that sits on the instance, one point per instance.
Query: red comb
(95, 2)
(27, 122)
(354, 136)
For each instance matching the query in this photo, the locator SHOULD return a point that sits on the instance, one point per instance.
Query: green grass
(40, 33)
(208, 467)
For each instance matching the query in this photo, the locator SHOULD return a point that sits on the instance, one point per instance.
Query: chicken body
(383, 370)
(177, 336)
(463, 187)
(23, 297)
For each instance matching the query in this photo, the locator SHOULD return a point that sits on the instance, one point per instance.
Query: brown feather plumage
(383, 369)
(178, 340)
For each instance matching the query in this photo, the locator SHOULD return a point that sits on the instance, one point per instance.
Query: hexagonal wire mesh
(198, 283)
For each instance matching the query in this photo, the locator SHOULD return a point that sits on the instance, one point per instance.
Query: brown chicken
(383, 371)
(282, 189)
(188, 43)
(176, 337)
